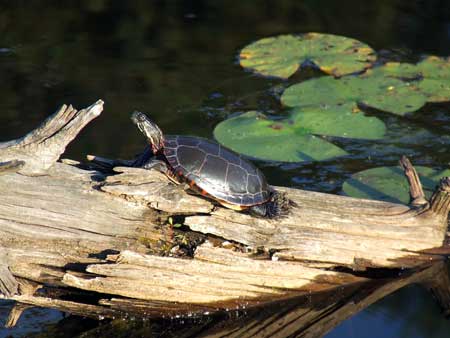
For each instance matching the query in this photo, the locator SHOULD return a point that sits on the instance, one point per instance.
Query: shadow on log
(73, 231)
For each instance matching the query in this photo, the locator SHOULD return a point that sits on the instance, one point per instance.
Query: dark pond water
(176, 60)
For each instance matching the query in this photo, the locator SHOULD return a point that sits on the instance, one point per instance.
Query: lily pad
(283, 55)
(293, 139)
(389, 183)
(380, 92)
(431, 76)
(338, 121)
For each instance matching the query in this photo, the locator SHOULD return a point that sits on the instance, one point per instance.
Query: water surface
(176, 60)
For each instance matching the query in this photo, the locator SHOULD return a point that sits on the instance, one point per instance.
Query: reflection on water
(304, 315)
(177, 61)
(410, 312)
(33, 320)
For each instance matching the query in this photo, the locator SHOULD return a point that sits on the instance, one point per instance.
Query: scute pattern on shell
(220, 172)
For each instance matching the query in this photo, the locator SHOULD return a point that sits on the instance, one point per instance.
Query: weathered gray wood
(240, 277)
(154, 189)
(311, 317)
(416, 195)
(41, 148)
(95, 233)
(308, 316)
(11, 166)
(76, 308)
(332, 229)
(8, 284)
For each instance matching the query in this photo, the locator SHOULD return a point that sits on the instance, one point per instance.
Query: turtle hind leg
(277, 206)
(260, 210)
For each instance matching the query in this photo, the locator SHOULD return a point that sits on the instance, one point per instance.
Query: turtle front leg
(158, 165)
(143, 158)
(162, 167)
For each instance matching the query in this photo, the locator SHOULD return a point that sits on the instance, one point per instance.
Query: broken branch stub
(440, 200)
(416, 195)
(42, 147)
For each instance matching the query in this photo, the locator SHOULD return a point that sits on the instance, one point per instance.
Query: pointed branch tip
(42, 147)
(416, 194)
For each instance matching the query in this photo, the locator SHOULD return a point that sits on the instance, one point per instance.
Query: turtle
(210, 169)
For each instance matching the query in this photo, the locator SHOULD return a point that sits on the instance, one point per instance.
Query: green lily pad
(431, 76)
(373, 90)
(283, 55)
(406, 71)
(390, 184)
(338, 121)
(293, 139)
(253, 134)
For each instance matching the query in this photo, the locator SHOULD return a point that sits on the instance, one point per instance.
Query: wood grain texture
(67, 224)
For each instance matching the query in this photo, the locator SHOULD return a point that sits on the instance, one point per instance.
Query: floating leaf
(389, 183)
(371, 89)
(293, 139)
(281, 56)
(431, 76)
(254, 135)
(405, 71)
(338, 121)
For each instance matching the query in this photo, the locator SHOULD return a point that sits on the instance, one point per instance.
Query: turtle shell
(220, 172)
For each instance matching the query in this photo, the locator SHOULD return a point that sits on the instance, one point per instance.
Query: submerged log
(75, 229)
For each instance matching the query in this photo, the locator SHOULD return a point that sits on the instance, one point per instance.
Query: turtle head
(150, 130)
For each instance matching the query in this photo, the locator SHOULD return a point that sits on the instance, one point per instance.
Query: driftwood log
(307, 316)
(69, 231)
